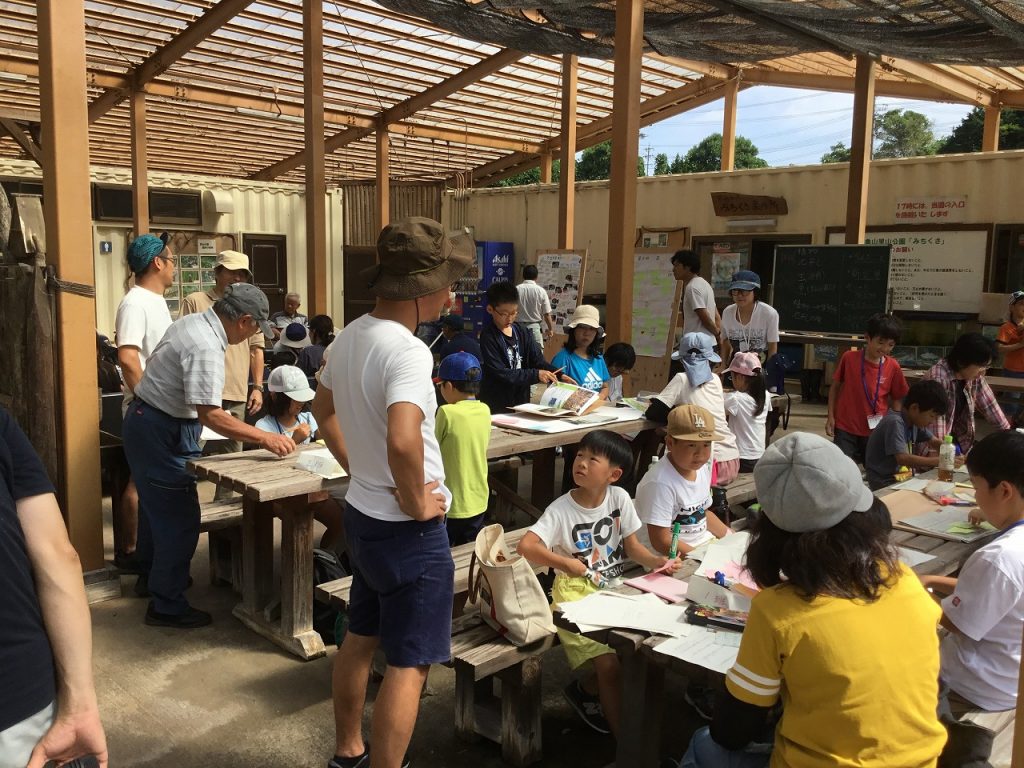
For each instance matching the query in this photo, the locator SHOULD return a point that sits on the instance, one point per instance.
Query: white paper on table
(725, 555)
(708, 648)
(912, 558)
(642, 612)
(321, 462)
(913, 484)
(698, 553)
(209, 434)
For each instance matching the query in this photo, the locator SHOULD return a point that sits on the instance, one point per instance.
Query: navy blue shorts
(462, 530)
(403, 579)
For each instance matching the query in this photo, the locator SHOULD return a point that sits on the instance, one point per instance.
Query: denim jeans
(704, 752)
(157, 446)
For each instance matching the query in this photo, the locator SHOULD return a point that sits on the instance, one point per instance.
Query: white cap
(291, 381)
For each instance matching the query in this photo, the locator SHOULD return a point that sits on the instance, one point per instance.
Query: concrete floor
(224, 697)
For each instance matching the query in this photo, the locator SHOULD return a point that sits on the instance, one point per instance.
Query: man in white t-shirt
(700, 315)
(984, 607)
(141, 321)
(535, 306)
(376, 394)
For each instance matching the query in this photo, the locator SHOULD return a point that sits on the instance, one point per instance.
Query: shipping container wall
(258, 208)
(816, 196)
(407, 199)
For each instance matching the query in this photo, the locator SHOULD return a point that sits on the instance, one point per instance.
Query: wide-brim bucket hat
(415, 257)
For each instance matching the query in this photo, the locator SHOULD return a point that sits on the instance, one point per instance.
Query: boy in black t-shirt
(512, 360)
(891, 444)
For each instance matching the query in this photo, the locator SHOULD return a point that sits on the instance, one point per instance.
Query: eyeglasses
(172, 259)
(511, 313)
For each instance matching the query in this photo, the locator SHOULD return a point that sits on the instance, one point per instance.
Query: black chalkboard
(830, 288)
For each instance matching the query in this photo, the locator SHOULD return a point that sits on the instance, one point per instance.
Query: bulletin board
(197, 257)
(933, 269)
(561, 274)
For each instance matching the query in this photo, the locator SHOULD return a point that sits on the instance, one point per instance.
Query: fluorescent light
(764, 223)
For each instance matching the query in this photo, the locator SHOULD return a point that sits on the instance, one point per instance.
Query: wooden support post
(1017, 760)
(545, 168)
(63, 104)
(383, 178)
(732, 89)
(140, 162)
(860, 150)
(629, 28)
(567, 169)
(316, 184)
(990, 137)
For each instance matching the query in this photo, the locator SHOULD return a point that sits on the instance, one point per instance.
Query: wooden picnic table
(644, 668)
(272, 486)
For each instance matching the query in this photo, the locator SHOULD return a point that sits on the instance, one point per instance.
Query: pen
(558, 371)
(673, 546)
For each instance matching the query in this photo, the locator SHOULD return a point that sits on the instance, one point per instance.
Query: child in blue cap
(463, 429)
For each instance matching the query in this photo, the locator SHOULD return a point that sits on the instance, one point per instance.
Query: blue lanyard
(878, 385)
(1007, 530)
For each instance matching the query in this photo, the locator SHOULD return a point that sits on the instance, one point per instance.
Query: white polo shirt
(982, 662)
(533, 302)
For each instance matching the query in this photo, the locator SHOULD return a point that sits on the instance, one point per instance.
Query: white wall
(259, 208)
(993, 184)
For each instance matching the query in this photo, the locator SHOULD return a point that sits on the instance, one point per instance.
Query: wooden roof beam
(163, 58)
(942, 80)
(707, 68)
(407, 108)
(22, 139)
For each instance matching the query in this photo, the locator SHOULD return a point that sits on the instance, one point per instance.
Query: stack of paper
(726, 556)
(640, 612)
(712, 649)
(320, 461)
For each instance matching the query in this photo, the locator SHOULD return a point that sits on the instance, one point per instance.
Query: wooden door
(269, 265)
(359, 298)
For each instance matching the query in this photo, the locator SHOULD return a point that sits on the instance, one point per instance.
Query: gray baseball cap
(805, 483)
(250, 300)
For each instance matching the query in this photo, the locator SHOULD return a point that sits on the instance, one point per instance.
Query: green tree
(840, 153)
(903, 133)
(707, 155)
(661, 165)
(596, 163)
(530, 176)
(678, 165)
(966, 137)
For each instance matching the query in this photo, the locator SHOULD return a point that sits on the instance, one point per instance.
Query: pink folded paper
(734, 572)
(660, 584)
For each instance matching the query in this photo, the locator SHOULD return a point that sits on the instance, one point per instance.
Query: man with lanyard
(535, 306)
(241, 360)
(376, 393)
(180, 392)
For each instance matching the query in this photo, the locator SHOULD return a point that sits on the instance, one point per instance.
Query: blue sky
(788, 126)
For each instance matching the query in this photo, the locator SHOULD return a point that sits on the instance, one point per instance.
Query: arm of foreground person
(327, 423)
(77, 730)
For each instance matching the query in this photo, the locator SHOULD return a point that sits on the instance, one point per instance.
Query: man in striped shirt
(181, 391)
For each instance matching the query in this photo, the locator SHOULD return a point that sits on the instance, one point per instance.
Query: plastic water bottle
(947, 459)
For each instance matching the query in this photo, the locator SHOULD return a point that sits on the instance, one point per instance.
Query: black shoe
(129, 563)
(361, 761)
(190, 619)
(141, 588)
(587, 706)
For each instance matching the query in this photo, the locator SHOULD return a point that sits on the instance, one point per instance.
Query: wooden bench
(223, 521)
(479, 655)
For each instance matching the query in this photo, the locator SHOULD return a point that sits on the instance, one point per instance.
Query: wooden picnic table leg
(543, 491)
(258, 571)
(643, 694)
(521, 712)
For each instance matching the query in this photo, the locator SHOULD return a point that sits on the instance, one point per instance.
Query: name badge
(874, 420)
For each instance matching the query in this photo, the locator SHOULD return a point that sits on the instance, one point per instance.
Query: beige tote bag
(510, 598)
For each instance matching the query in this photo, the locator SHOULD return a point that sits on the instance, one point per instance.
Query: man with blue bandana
(142, 319)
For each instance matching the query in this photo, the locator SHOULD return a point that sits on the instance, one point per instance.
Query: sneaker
(702, 699)
(587, 706)
(190, 619)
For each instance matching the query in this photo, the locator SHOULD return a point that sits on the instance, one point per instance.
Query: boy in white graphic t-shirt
(586, 535)
(678, 488)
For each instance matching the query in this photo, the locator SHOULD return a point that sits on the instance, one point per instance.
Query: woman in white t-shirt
(747, 408)
(748, 324)
(698, 385)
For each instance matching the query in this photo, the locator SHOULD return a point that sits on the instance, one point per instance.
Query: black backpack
(775, 370)
(326, 567)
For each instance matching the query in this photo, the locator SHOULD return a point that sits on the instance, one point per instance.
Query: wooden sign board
(735, 204)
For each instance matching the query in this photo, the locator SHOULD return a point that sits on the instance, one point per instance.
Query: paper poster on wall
(655, 303)
(207, 247)
(723, 267)
(933, 270)
(561, 274)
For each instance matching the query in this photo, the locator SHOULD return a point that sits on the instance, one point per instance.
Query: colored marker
(673, 546)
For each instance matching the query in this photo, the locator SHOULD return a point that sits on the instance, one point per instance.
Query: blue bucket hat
(745, 280)
(696, 353)
(142, 251)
